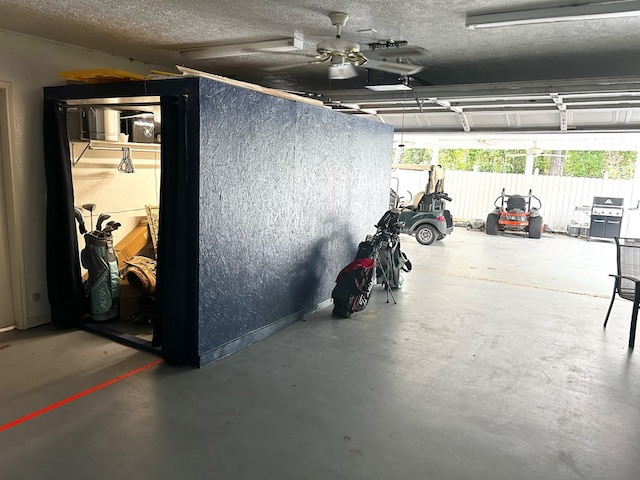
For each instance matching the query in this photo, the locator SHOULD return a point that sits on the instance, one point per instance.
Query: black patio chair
(627, 281)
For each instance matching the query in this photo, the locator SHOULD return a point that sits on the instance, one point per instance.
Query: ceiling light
(592, 11)
(395, 87)
(388, 85)
(393, 67)
(287, 44)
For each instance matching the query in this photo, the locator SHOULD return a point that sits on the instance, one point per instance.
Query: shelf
(125, 147)
(107, 144)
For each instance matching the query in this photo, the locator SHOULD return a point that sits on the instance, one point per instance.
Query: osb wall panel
(287, 190)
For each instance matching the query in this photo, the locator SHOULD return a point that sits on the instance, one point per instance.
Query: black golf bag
(354, 282)
(103, 285)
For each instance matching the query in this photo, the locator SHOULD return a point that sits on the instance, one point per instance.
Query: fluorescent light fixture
(591, 11)
(392, 67)
(395, 87)
(287, 44)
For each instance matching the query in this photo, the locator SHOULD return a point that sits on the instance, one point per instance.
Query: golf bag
(391, 260)
(103, 285)
(355, 281)
(378, 259)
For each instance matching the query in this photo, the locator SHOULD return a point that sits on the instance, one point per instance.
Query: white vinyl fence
(473, 193)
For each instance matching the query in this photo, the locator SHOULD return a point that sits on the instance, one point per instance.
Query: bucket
(111, 125)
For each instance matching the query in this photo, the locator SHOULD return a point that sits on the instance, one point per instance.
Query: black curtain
(64, 279)
(177, 280)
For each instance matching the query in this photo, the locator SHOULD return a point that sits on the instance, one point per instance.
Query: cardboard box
(137, 242)
(128, 301)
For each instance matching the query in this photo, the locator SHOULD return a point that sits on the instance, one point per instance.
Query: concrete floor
(493, 365)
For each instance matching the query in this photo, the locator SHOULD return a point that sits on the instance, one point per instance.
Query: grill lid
(608, 201)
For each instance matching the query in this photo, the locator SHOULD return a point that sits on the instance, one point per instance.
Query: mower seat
(516, 202)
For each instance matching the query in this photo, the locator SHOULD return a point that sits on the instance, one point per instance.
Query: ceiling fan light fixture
(535, 151)
(341, 71)
(592, 11)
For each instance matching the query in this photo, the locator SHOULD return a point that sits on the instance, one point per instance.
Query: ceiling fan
(343, 55)
(536, 151)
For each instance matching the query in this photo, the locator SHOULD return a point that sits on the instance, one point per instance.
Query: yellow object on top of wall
(101, 75)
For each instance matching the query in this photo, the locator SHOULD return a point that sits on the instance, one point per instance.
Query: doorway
(115, 155)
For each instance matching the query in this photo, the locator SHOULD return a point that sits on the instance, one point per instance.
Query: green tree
(585, 164)
(543, 164)
(416, 156)
(481, 159)
(594, 164)
(621, 164)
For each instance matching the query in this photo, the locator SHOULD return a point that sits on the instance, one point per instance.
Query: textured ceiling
(155, 32)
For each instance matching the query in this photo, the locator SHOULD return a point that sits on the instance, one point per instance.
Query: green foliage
(543, 164)
(416, 156)
(621, 164)
(482, 160)
(594, 164)
(585, 164)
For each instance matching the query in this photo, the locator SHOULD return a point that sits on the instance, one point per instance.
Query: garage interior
(484, 369)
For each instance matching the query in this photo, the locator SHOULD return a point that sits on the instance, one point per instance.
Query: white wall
(29, 64)
(473, 193)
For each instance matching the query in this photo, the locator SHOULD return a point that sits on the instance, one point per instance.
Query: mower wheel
(535, 227)
(426, 234)
(491, 227)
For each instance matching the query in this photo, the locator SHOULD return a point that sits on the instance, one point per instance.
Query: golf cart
(426, 216)
(514, 213)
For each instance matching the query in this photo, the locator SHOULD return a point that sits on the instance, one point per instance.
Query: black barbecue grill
(606, 217)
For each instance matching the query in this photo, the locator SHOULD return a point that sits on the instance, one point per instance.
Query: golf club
(111, 226)
(81, 226)
(90, 207)
(101, 218)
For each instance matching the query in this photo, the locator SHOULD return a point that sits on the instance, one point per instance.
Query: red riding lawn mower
(515, 213)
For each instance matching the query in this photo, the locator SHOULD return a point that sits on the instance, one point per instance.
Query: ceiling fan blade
(399, 52)
(277, 68)
(316, 59)
(206, 52)
(392, 67)
(342, 72)
(535, 155)
(272, 52)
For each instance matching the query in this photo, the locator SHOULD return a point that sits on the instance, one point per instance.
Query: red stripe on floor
(70, 399)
